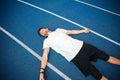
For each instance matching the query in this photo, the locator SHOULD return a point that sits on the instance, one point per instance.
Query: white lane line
(70, 21)
(35, 54)
(97, 7)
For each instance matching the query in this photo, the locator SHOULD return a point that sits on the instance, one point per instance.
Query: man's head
(43, 31)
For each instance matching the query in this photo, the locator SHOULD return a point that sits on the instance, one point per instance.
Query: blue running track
(22, 21)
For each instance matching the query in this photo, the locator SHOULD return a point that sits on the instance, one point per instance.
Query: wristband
(42, 68)
(42, 72)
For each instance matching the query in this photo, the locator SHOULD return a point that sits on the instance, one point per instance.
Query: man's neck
(49, 32)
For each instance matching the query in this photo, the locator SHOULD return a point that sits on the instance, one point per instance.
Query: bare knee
(114, 60)
(110, 59)
(104, 78)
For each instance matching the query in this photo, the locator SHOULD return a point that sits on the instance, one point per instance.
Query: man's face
(44, 32)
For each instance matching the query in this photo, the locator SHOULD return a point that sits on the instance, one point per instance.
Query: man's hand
(86, 30)
(42, 76)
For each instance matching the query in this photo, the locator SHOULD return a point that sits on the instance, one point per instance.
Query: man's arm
(44, 62)
(77, 31)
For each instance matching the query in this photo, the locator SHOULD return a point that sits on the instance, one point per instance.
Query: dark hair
(40, 30)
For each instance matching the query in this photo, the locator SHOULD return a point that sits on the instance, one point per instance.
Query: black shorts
(86, 54)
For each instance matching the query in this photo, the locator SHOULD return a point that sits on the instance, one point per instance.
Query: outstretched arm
(77, 31)
(44, 62)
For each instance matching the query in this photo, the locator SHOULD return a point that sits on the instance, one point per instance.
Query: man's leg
(103, 78)
(95, 73)
(114, 60)
(102, 55)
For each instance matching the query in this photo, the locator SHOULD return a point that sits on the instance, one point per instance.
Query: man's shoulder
(60, 29)
(46, 40)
